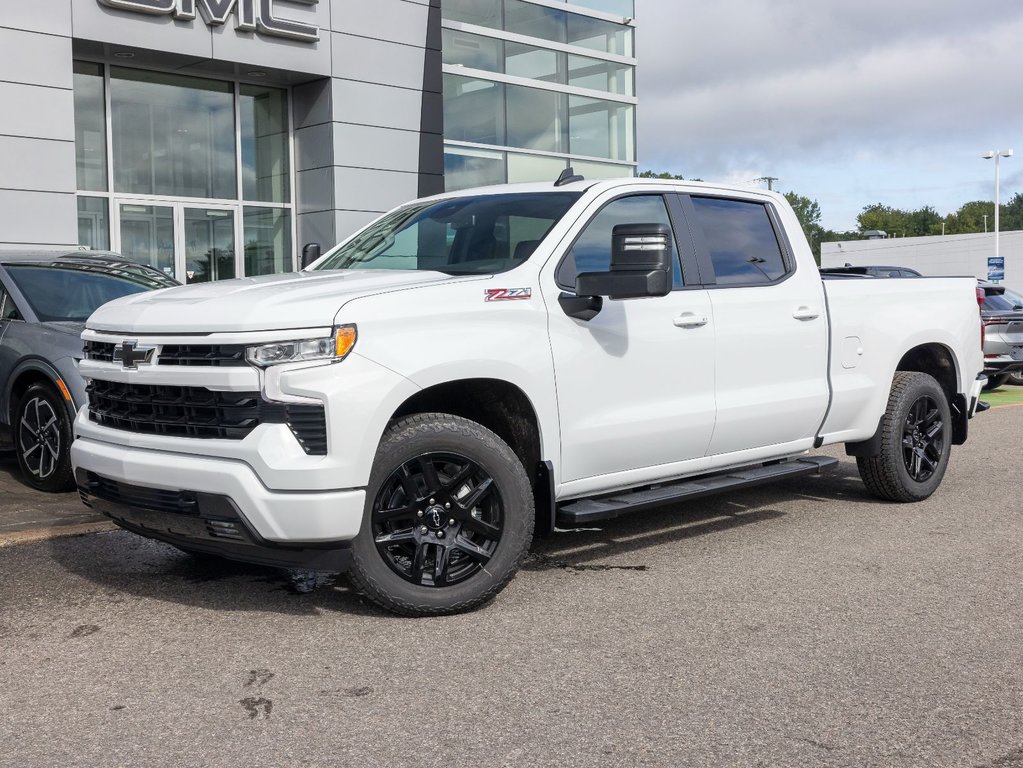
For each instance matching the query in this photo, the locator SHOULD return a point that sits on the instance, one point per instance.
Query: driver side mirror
(310, 253)
(640, 264)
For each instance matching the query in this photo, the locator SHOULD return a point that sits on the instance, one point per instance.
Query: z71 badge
(507, 294)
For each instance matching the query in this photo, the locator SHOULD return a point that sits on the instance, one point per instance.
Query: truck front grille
(175, 411)
(207, 355)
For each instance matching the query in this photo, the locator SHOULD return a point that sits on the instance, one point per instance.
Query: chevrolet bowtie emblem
(129, 354)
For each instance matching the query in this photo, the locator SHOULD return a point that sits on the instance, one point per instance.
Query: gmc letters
(250, 15)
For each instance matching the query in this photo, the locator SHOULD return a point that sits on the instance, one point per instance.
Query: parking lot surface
(802, 624)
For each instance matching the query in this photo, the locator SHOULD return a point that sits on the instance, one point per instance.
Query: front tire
(42, 439)
(916, 433)
(449, 517)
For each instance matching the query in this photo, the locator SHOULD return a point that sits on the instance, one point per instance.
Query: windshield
(460, 236)
(1004, 302)
(71, 291)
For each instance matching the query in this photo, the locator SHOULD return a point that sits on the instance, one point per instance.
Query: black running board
(582, 511)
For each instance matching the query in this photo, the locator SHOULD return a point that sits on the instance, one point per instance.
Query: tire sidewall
(920, 386)
(440, 433)
(60, 479)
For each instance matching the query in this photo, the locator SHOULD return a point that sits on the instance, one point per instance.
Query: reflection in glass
(172, 135)
(599, 35)
(535, 63)
(93, 223)
(592, 170)
(264, 144)
(267, 234)
(601, 128)
(584, 72)
(473, 110)
(468, 50)
(90, 127)
(539, 121)
(534, 167)
(484, 13)
(464, 168)
(147, 235)
(534, 20)
(626, 8)
(209, 245)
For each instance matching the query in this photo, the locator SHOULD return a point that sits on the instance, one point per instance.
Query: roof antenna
(567, 177)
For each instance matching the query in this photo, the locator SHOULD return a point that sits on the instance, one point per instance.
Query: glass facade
(176, 171)
(530, 89)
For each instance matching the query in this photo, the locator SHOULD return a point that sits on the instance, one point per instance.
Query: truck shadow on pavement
(120, 563)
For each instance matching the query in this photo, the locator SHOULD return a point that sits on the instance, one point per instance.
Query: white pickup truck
(476, 367)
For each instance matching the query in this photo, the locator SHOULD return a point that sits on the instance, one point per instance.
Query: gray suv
(45, 298)
(1002, 314)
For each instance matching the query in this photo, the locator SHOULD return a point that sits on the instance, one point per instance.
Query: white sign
(250, 15)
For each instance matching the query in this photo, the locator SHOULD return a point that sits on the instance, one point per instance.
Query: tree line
(896, 222)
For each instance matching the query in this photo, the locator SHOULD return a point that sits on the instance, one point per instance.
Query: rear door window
(740, 241)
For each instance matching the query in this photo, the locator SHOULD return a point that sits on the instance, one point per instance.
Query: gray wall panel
(35, 59)
(315, 190)
(370, 104)
(52, 115)
(405, 22)
(313, 147)
(42, 218)
(316, 228)
(380, 148)
(377, 61)
(252, 49)
(50, 16)
(311, 103)
(356, 189)
(39, 165)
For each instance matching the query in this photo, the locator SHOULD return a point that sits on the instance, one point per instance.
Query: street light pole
(997, 156)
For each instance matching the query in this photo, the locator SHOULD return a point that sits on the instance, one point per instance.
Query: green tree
(809, 214)
(661, 175)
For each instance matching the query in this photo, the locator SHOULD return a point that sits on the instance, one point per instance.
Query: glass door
(194, 243)
(147, 235)
(209, 243)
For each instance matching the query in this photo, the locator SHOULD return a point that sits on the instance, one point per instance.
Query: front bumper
(175, 497)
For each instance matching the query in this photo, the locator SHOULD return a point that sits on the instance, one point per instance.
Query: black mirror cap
(310, 253)
(641, 247)
(624, 284)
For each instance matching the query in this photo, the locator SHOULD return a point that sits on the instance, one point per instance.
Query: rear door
(770, 326)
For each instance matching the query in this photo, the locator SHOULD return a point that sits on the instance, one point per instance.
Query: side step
(583, 511)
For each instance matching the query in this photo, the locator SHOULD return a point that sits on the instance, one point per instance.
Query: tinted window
(1006, 302)
(741, 241)
(7, 309)
(73, 291)
(480, 234)
(591, 251)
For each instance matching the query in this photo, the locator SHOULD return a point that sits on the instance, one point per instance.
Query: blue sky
(848, 103)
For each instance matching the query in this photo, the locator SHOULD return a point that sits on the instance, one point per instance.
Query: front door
(635, 384)
(193, 243)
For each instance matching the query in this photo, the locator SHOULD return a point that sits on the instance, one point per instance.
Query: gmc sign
(250, 15)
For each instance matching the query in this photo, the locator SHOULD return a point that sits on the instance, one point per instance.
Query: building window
(201, 171)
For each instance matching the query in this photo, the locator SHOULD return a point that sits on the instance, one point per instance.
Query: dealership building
(210, 137)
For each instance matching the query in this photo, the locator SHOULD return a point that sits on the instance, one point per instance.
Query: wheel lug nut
(447, 505)
(440, 534)
(424, 530)
(451, 521)
(432, 501)
(419, 513)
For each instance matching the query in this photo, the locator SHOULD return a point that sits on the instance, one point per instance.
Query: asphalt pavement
(801, 624)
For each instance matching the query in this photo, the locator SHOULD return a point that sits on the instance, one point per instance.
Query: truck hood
(268, 302)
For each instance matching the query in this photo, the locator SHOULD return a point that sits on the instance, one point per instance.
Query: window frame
(680, 234)
(702, 250)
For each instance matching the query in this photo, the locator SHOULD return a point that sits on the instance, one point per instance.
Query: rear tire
(448, 519)
(916, 433)
(42, 439)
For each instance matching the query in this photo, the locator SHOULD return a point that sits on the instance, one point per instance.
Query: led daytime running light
(333, 348)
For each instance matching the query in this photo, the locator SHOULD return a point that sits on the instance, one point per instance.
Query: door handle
(689, 320)
(805, 313)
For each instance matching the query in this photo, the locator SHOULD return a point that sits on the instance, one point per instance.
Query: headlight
(333, 348)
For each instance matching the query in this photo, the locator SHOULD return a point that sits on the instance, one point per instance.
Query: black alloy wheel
(923, 439)
(448, 518)
(437, 519)
(42, 439)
